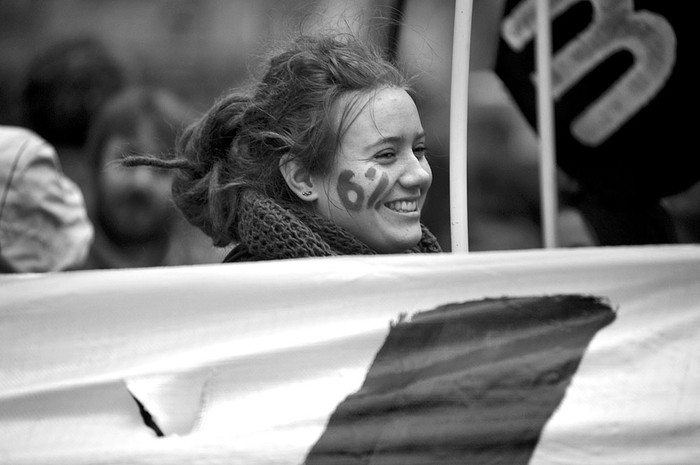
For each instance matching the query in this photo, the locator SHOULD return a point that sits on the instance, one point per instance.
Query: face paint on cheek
(378, 191)
(369, 174)
(350, 193)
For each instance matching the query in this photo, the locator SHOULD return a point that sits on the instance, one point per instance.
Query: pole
(545, 123)
(458, 126)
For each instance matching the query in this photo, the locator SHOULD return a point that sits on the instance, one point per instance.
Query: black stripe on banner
(471, 382)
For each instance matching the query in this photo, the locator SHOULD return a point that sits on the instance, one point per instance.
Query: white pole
(459, 231)
(545, 123)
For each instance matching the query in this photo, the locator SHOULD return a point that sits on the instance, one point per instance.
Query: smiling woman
(325, 155)
(378, 185)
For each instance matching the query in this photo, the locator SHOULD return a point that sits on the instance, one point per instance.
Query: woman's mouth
(402, 206)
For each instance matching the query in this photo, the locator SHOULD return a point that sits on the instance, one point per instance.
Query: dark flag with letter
(622, 88)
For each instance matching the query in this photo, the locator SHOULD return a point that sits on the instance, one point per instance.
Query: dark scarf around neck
(269, 231)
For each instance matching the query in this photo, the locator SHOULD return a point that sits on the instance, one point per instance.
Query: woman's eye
(420, 151)
(385, 156)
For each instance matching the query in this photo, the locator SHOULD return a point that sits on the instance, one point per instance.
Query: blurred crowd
(66, 203)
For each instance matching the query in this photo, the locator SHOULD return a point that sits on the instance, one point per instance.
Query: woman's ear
(298, 178)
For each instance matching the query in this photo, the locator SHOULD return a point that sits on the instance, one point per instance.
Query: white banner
(563, 356)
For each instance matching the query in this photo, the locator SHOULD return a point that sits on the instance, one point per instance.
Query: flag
(621, 71)
(563, 356)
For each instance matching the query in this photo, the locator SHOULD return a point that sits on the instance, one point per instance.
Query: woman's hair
(239, 142)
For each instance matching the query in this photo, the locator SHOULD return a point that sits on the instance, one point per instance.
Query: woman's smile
(402, 206)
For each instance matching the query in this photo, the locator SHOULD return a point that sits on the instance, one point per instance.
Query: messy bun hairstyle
(239, 142)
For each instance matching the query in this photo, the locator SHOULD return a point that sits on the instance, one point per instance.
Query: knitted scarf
(268, 231)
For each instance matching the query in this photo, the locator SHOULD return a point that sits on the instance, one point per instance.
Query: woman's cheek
(353, 195)
(378, 191)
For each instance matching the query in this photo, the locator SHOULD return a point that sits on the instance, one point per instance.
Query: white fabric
(244, 362)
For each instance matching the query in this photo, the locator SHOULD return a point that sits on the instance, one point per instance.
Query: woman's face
(381, 176)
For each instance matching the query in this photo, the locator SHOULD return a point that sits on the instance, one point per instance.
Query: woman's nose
(417, 172)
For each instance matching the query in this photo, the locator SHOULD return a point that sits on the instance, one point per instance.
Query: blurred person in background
(135, 220)
(65, 85)
(44, 224)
